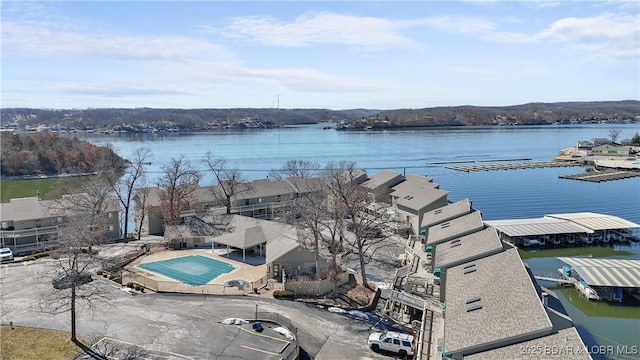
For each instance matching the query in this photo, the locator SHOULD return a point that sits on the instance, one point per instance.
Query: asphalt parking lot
(173, 326)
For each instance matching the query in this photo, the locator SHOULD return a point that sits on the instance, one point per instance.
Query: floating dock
(515, 166)
(601, 176)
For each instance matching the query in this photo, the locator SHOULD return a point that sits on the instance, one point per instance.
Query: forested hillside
(49, 154)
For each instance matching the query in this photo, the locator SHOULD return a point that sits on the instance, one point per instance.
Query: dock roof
(447, 212)
(595, 221)
(469, 247)
(485, 301)
(537, 226)
(606, 272)
(455, 227)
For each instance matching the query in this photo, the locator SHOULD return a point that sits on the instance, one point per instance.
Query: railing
(291, 352)
(46, 230)
(179, 287)
(218, 210)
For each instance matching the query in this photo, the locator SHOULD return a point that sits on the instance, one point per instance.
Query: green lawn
(24, 343)
(24, 188)
(589, 251)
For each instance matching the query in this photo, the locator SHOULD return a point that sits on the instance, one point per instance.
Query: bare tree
(178, 182)
(296, 168)
(308, 210)
(142, 194)
(85, 219)
(349, 203)
(613, 134)
(124, 187)
(229, 180)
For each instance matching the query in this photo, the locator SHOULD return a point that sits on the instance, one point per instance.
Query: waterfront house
(379, 185)
(412, 202)
(444, 213)
(454, 228)
(30, 224)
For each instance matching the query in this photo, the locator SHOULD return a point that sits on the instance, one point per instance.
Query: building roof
(411, 184)
(447, 212)
(606, 272)
(419, 198)
(565, 344)
(280, 246)
(264, 188)
(245, 232)
(489, 301)
(595, 221)
(30, 208)
(475, 245)
(537, 226)
(455, 227)
(384, 178)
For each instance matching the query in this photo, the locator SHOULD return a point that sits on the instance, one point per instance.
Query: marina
(516, 166)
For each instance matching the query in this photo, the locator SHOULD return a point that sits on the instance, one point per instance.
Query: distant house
(31, 224)
(611, 150)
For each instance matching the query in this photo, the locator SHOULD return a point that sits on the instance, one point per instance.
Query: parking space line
(267, 336)
(260, 350)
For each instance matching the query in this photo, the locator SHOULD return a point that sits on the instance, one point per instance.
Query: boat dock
(603, 279)
(601, 176)
(515, 166)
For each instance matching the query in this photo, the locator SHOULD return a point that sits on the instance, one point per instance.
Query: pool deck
(242, 271)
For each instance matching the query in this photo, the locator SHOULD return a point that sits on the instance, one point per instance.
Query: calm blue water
(498, 194)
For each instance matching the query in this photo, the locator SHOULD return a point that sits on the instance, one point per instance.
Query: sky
(324, 54)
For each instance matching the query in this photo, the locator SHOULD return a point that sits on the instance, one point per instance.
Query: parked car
(6, 254)
(66, 279)
(401, 344)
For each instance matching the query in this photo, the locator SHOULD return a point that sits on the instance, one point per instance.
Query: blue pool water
(192, 269)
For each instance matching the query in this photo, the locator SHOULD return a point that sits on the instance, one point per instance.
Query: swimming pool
(192, 269)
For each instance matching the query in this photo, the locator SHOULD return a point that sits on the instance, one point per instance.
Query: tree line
(204, 119)
(30, 154)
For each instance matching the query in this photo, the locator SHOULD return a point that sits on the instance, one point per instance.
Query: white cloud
(53, 40)
(603, 36)
(323, 29)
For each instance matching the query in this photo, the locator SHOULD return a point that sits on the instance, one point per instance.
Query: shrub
(283, 294)
(129, 285)
(99, 272)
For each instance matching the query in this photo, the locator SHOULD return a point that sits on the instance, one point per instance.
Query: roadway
(172, 326)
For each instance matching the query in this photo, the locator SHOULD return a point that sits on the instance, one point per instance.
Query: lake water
(498, 194)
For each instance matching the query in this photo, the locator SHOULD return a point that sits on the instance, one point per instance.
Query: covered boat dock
(609, 278)
(571, 229)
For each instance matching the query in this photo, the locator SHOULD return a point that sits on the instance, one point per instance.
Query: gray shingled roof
(596, 221)
(30, 208)
(413, 183)
(565, 344)
(419, 198)
(265, 188)
(446, 212)
(606, 272)
(537, 226)
(509, 308)
(383, 178)
(246, 232)
(455, 227)
(473, 246)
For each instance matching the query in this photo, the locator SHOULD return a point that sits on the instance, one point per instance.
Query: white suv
(6, 254)
(401, 344)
